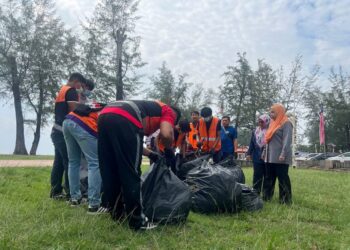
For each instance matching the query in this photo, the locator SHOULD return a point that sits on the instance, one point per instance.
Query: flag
(321, 129)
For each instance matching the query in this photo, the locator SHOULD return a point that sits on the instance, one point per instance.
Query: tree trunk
(20, 147)
(38, 121)
(119, 86)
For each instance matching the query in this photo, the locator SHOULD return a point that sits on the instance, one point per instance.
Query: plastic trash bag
(230, 164)
(214, 189)
(250, 199)
(166, 199)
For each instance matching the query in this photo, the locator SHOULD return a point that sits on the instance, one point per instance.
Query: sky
(202, 37)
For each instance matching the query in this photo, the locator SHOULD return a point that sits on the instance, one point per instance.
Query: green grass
(318, 219)
(26, 157)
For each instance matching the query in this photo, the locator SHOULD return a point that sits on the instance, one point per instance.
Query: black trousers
(120, 145)
(60, 165)
(259, 175)
(279, 171)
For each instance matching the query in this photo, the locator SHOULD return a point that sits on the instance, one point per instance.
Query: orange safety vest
(88, 123)
(61, 97)
(193, 136)
(208, 137)
(177, 144)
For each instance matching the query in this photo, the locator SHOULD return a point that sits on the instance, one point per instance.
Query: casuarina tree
(111, 49)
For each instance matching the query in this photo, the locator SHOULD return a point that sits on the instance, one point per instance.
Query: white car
(303, 158)
(342, 157)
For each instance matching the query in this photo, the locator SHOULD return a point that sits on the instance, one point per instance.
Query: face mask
(80, 90)
(87, 93)
(207, 119)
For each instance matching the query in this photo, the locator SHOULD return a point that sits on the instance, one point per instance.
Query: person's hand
(281, 158)
(153, 156)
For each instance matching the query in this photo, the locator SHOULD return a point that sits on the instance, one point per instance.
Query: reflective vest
(61, 97)
(176, 144)
(61, 106)
(88, 123)
(193, 136)
(209, 136)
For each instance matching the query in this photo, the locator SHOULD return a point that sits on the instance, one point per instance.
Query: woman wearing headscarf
(257, 142)
(278, 154)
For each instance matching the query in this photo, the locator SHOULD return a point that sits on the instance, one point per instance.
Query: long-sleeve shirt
(281, 145)
(254, 150)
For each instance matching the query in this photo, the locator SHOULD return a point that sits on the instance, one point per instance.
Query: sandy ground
(36, 163)
(25, 163)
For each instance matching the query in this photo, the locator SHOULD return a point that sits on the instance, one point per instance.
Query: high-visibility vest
(88, 123)
(209, 136)
(193, 136)
(61, 106)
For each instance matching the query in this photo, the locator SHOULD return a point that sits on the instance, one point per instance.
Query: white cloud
(202, 37)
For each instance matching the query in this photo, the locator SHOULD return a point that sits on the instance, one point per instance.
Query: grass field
(26, 157)
(318, 219)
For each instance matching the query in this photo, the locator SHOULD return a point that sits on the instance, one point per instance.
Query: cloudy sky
(202, 37)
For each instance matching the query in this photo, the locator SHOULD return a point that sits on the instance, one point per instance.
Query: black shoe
(147, 225)
(97, 210)
(74, 202)
(59, 196)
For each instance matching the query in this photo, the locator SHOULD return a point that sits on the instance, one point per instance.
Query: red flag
(321, 129)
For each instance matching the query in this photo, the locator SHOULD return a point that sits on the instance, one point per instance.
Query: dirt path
(35, 163)
(25, 163)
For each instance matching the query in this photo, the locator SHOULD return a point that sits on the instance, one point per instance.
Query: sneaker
(96, 210)
(74, 202)
(147, 225)
(59, 196)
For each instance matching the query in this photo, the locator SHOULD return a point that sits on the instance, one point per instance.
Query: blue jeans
(80, 141)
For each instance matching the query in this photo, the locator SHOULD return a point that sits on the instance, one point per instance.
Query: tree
(53, 56)
(166, 89)
(16, 26)
(235, 91)
(292, 86)
(111, 52)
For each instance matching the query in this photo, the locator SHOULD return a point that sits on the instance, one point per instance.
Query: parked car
(321, 156)
(305, 157)
(342, 157)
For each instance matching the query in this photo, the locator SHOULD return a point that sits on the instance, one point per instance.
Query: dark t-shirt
(61, 108)
(218, 127)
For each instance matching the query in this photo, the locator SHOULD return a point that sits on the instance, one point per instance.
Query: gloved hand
(153, 156)
(169, 157)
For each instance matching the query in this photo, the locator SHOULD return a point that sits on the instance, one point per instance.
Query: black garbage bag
(214, 189)
(231, 164)
(166, 199)
(183, 167)
(250, 199)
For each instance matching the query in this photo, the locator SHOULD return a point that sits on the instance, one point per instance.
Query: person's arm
(166, 134)
(235, 141)
(286, 140)
(72, 99)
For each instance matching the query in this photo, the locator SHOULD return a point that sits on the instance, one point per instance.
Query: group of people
(111, 138)
(270, 150)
